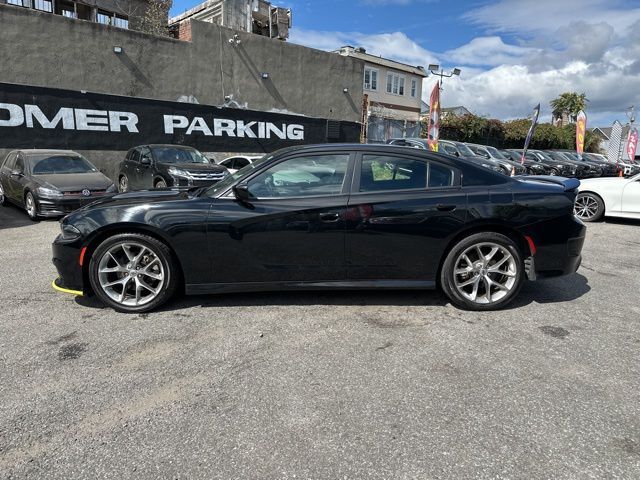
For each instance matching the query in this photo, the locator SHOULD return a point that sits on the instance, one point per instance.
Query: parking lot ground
(322, 385)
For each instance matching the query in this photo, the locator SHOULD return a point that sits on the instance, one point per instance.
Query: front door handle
(329, 217)
(445, 208)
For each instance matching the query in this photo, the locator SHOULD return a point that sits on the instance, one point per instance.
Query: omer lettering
(79, 119)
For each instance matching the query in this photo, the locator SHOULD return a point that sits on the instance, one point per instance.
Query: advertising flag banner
(581, 128)
(615, 141)
(434, 118)
(632, 143)
(532, 129)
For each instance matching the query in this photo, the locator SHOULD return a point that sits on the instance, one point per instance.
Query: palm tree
(568, 104)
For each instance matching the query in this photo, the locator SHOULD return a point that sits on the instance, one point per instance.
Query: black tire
(3, 199)
(31, 206)
(160, 184)
(589, 207)
(513, 277)
(169, 270)
(123, 184)
(554, 172)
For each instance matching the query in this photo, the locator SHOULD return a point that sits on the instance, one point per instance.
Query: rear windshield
(56, 164)
(178, 155)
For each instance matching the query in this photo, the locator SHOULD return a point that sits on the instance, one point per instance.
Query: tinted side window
(227, 163)
(241, 163)
(311, 175)
(449, 149)
(135, 155)
(440, 176)
(380, 172)
(10, 160)
(145, 153)
(19, 165)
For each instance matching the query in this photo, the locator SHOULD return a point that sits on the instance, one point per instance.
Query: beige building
(395, 95)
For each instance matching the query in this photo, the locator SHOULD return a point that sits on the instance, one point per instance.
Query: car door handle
(329, 217)
(445, 208)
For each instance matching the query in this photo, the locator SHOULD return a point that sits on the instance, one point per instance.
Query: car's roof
(39, 151)
(166, 145)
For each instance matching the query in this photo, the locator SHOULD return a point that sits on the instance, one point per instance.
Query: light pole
(434, 68)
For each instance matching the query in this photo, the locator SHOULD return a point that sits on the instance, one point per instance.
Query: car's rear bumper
(66, 259)
(563, 258)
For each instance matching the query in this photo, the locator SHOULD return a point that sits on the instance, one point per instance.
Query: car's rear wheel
(554, 172)
(133, 273)
(484, 271)
(123, 184)
(31, 206)
(589, 207)
(160, 184)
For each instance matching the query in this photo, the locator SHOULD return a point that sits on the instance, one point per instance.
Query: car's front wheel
(160, 184)
(31, 206)
(484, 271)
(588, 207)
(133, 273)
(3, 200)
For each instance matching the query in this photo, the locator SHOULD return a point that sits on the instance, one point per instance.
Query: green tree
(156, 17)
(569, 104)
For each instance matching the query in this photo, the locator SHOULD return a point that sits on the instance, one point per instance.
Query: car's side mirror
(145, 161)
(16, 174)
(241, 191)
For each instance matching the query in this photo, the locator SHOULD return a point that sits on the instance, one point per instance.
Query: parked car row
(565, 163)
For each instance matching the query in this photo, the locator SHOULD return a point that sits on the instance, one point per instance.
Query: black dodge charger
(327, 217)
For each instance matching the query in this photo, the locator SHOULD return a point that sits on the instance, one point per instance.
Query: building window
(395, 84)
(20, 3)
(108, 18)
(370, 79)
(121, 22)
(414, 87)
(44, 5)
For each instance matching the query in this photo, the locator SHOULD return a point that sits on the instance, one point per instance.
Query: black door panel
(273, 240)
(401, 235)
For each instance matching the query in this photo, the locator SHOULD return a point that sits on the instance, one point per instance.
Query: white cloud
(396, 45)
(537, 50)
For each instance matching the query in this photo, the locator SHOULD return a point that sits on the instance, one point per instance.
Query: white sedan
(234, 164)
(615, 197)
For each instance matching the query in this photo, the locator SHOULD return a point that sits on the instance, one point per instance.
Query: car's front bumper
(66, 259)
(60, 206)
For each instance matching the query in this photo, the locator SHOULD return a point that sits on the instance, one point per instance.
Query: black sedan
(327, 217)
(50, 183)
(162, 166)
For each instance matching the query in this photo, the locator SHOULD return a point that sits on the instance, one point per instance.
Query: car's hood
(75, 181)
(135, 198)
(196, 167)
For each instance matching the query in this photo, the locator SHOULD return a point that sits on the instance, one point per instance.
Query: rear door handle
(445, 208)
(329, 217)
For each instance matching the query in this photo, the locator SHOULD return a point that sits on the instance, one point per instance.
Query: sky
(513, 54)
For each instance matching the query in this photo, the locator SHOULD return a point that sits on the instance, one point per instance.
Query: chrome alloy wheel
(1, 194)
(30, 205)
(131, 274)
(586, 207)
(485, 273)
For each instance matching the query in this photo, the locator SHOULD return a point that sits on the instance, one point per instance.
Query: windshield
(465, 151)
(178, 155)
(56, 164)
(229, 180)
(496, 153)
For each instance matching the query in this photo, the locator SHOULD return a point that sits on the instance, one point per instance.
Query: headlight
(112, 188)
(69, 232)
(49, 192)
(176, 172)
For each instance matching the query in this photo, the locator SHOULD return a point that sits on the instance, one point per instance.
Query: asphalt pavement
(322, 385)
